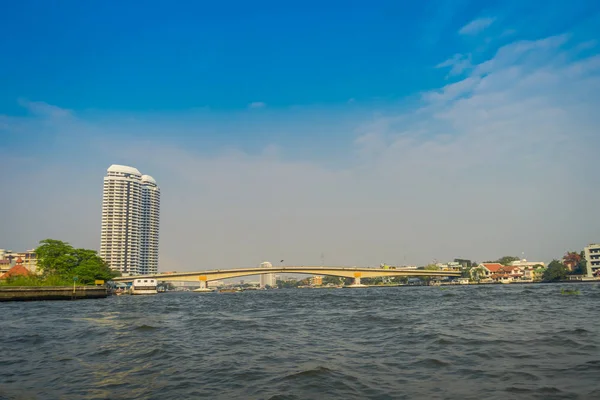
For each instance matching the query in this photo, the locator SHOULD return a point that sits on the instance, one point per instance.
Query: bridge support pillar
(203, 285)
(357, 280)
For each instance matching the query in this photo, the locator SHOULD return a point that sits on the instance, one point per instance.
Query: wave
(430, 363)
(311, 373)
(146, 328)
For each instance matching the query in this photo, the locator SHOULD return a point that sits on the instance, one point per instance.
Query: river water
(459, 342)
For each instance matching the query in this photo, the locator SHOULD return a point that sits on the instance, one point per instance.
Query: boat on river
(144, 286)
(229, 290)
(203, 290)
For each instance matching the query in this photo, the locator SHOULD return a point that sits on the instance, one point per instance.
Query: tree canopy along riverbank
(60, 264)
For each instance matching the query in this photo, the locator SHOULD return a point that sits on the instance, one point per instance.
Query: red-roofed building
(504, 273)
(500, 273)
(491, 268)
(513, 271)
(17, 270)
(8, 258)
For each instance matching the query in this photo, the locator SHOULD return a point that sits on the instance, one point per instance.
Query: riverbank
(33, 293)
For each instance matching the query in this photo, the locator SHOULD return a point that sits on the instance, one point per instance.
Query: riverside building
(592, 257)
(8, 259)
(130, 217)
(267, 279)
(149, 226)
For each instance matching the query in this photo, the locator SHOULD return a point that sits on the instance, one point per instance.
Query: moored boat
(144, 286)
(203, 290)
(355, 285)
(229, 290)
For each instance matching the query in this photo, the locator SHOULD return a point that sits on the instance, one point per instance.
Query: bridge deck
(347, 272)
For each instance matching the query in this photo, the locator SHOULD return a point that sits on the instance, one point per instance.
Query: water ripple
(492, 342)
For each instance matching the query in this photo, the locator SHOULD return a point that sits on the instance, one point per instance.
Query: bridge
(346, 272)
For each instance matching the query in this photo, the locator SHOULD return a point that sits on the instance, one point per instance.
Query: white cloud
(458, 63)
(41, 108)
(476, 26)
(590, 44)
(257, 104)
(453, 90)
(496, 163)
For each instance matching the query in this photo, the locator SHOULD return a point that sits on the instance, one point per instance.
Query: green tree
(60, 259)
(556, 271)
(55, 257)
(334, 280)
(539, 271)
(378, 280)
(466, 272)
(464, 262)
(506, 260)
(581, 268)
(91, 267)
(571, 259)
(476, 273)
(289, 284)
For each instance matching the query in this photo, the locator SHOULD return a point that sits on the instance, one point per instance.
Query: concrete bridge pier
(203, 285)
(357, 280)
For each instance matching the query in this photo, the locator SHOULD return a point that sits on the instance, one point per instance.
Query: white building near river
(267, 279)
(130, 221)
(592, 257)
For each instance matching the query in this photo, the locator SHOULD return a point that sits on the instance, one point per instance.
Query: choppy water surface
(486, 342)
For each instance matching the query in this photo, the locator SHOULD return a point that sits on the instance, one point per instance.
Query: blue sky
(377, 107)
(226, 55)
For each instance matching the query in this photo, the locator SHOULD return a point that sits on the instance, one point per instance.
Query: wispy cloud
(590, 44)
(257, 104)
(476, 26)
(41, 108)
(457, 63)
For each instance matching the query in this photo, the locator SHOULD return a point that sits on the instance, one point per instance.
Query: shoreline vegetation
(60, 264)
(36, 281)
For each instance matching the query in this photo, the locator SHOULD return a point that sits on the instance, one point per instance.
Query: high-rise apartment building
(267, 279)
(130, 211)
(592, 257)
(149, 230)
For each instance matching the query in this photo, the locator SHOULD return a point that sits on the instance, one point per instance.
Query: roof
(17, 270)
(493, 267)
(123, 169)
(148, 178)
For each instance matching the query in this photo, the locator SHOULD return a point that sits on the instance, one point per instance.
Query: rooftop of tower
(148, 178)
(123, 169)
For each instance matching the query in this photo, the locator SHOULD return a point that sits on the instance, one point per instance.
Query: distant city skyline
(382, 132)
